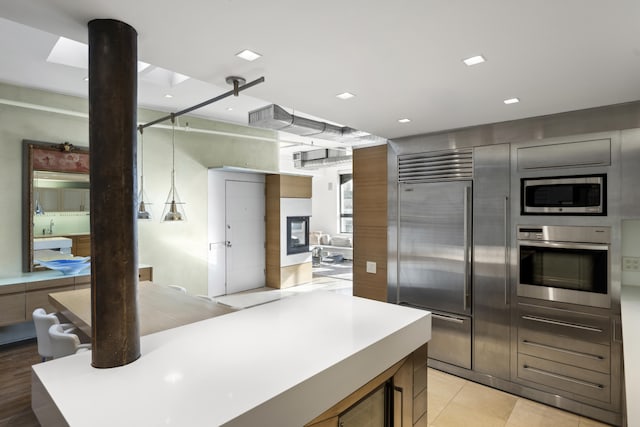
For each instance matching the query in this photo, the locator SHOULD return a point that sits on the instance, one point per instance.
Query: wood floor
(15, 384)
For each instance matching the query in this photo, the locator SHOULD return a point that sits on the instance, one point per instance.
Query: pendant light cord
(141, 164)
(173, 157)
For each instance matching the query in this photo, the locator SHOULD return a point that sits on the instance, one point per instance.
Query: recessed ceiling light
(404, 120)
(229, 108)
(511, 101)
(168, 95)
(345, 95)
(474, 60)
(248, 55)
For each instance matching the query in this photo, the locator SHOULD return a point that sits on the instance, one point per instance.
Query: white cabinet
(48, 199)
(74, 200)
(63, 199)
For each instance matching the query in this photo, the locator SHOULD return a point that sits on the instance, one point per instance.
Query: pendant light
(173, 209)
(143, 213)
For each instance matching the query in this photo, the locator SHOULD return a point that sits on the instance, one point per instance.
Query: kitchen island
(278, 364)
(630, 306)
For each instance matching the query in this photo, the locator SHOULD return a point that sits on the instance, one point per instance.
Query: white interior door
(245, 236)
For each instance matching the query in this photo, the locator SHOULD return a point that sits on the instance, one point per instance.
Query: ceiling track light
(234, 91)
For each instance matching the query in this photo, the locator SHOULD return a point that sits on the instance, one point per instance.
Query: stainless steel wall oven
(564, 263)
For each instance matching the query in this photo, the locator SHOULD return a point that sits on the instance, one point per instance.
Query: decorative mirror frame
(46, 156)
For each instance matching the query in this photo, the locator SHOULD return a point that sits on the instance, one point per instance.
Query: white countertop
(630, 309)
(278, 364)
(37, 276)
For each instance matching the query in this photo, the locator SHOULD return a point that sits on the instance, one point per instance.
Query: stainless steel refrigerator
(434, 254)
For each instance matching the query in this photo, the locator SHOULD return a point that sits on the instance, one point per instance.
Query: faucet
(51, 224)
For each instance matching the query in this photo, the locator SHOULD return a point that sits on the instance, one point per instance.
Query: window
(346, 203)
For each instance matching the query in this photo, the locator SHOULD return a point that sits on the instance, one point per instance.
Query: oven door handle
(564, 245)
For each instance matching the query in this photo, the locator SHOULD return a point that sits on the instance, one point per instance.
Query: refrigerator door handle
(448, 318)
(507, 274)
(467, 246)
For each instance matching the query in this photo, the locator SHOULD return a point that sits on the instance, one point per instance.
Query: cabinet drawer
(12, 308)
(565, 323)
(451, 339)
(566, 350)
(40, 298)
(578, 381)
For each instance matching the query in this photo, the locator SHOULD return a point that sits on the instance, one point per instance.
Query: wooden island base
(409, 378)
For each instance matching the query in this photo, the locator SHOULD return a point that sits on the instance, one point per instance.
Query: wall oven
(564, 263)
(564, 195)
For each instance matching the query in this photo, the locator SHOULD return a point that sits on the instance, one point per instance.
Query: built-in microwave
(564, 195)
(565, 264)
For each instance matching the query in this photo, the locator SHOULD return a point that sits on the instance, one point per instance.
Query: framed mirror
(55, 201)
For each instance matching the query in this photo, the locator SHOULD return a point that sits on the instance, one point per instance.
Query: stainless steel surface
(565, 233)
(491, 290)
(436, 166)
(595, 152)
(564, 321)
(567, 349)
(277, 118)
(567, 209)
(559, 323)
(581, 384)
(434, 242)
(467, 247)
(507, 269)
(451, 339)
(571, 238)
(562, 126)
(619, 124)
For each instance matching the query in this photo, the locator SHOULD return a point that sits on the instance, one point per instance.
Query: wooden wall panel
(295, 186)
(370, 221)
(272, 232)
(276, 188)
(292, 275)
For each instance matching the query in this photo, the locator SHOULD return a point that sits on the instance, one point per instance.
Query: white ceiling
(402, 58)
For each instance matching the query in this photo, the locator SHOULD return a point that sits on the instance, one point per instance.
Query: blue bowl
(67, 266)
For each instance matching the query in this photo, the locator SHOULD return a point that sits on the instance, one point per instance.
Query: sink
(41, 243)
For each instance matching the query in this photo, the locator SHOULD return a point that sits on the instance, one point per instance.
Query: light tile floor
(454, 402)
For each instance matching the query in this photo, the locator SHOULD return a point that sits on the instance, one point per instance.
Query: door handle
(507, 228)
(448, 318)
(467, 246)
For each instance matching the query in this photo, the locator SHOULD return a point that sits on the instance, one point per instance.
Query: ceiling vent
(276, 118)
(315, 159)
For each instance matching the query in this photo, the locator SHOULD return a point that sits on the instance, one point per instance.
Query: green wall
(178, 252)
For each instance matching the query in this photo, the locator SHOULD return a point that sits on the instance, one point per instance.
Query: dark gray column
(112, 141)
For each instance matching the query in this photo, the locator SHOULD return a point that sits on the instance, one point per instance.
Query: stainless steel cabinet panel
(565, 323)
(434, 245)
(570, 154)
(584, 354)
(491, 292)
(578, 381)
(451, 339)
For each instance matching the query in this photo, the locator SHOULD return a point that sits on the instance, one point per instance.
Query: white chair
(179, 288)
(64, 343)
(43, 322)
